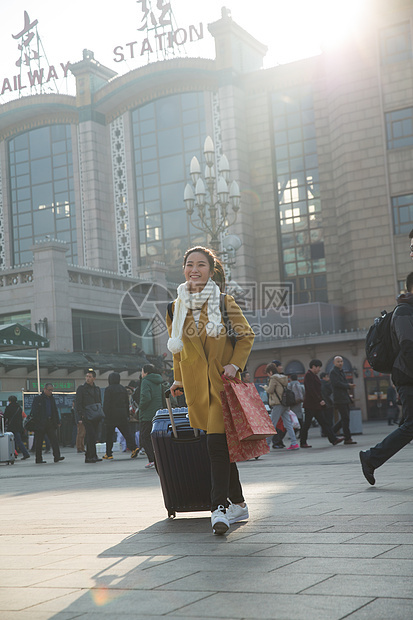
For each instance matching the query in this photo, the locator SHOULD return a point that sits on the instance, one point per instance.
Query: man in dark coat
(46, 418)
(14, 424)
(402, 376)
(313, 406)
(88, 394)
(116, 408)
(341, 398)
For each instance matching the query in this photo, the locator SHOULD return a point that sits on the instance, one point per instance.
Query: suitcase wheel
(171, 515)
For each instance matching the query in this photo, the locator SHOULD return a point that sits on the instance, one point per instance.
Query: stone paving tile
(221, 547)
(366, 585)
(383, 609)
(279, 606)
(118, 577)
(120, 602)
(404, 552)
(30, 614)
(234, 582)
(99, 563)
(387, 538)
(352, 566)
(297, 537)
(322, 550)
(225, 564)
(29, 577)
(16, 598)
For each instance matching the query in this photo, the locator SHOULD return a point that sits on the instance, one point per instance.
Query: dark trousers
(328, 413)
(50, 430)
(344, 421)
(399, 438)
(145, 439)
(46, 439)
(125, 429)
(90, 438)
(20, 445)
(326, 428)
(225, 480)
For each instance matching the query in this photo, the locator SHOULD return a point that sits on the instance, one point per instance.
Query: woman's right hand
(176, 388)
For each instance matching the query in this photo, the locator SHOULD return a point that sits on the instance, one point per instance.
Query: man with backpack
(401, 355)
(277, 399)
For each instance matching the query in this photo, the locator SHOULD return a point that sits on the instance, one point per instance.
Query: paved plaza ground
(94, 541)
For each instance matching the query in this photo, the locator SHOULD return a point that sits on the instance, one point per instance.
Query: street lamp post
(208, 206)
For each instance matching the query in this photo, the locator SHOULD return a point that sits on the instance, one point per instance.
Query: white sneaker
(237, 513)
(219, 521)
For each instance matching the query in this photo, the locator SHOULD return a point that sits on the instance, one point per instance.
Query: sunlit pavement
(94, 541)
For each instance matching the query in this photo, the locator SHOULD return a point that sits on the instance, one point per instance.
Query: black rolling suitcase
(182, 461)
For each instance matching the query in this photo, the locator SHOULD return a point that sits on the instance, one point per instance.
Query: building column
(51, 294)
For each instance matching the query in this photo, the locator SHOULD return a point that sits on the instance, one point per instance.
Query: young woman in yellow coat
(202, 353)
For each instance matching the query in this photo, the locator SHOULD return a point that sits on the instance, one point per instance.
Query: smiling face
(197, 271)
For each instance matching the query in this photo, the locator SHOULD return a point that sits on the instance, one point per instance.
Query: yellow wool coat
(201, 362)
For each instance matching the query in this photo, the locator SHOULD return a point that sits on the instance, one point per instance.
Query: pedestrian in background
(46, 418)
(150, 400)
(275, 388)
(88, 394)
(299, 392)
(13, 417)
(392, 406)
(341, 398)
(313, 405)
(116, 408)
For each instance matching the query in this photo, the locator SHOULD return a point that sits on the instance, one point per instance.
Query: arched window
(42, 192)
(167, 133)
(295, 367)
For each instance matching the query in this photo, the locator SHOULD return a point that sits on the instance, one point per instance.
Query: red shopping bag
(251, 419)
(240, 450)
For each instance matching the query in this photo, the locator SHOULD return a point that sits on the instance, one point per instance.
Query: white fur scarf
(194, 301)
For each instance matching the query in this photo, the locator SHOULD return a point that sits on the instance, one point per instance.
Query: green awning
(53, 361)
(15, 337)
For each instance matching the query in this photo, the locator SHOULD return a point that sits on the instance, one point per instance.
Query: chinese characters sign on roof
(34, 70)
(163, 38)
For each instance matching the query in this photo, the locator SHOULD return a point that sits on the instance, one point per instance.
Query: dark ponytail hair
(215, 265)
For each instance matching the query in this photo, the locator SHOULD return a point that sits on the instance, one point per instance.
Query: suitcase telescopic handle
(171, 415)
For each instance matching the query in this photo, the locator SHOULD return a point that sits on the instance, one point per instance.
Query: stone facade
(353, 90)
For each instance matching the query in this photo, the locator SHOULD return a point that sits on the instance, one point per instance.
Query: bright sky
(291, 29)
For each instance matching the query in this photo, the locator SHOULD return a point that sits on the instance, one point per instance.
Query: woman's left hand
(229, 371)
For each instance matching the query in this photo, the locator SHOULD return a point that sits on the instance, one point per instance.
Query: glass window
(295, 154)
(99, 333)
(42, 179)
(399, 128)
(402, 213)
(19, 317)
(395, 43)
(165, 146)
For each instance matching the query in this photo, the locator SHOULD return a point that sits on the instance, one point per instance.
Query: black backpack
(379, 348)
(288, 398)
